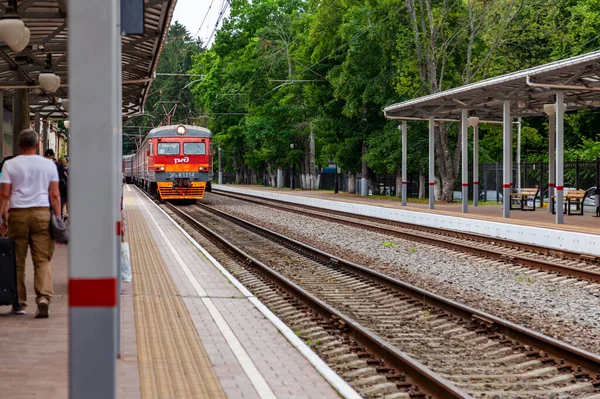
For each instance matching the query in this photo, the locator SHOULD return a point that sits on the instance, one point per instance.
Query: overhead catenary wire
(204, 19)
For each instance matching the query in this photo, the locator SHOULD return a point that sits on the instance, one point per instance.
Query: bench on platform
(571, 197)
(524, 196)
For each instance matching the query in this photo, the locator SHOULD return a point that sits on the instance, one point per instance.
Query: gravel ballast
(563, 311)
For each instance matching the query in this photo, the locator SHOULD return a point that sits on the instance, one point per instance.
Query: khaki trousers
(30, 227)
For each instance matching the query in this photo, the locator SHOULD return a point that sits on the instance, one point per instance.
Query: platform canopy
(530, 89)
(47, 50)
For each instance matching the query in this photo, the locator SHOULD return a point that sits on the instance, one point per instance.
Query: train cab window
(194, 148)
(168, 148)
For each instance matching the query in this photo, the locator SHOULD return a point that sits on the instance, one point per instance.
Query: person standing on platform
(62, 187)
(49, 154)
(30, 185)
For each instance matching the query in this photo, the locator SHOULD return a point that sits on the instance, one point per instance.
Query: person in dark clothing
(63, 184)
(62, 175)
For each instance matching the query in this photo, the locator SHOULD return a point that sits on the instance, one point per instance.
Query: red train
(173, 162)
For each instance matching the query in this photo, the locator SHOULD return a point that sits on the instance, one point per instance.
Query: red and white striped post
(464, 127)
(507, 158)
(431, 162)
(560, 156)
(404, 161)
(94, 191)
(474, 121)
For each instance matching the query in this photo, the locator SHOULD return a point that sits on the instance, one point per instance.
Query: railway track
(448, 349)
(561, 263)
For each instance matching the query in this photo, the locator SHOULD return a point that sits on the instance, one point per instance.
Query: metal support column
(404, 161)
(45, 127)
(220, 167)
(519, 155)
(95, 109)
(2, 125)
(551, 158)
(464, 154)
(431, 162)
(476, 165)
(20, 116)
(119, 181)
(36, 126)
(364, 178)
(507, 159)
(560, 128)
(280, 181)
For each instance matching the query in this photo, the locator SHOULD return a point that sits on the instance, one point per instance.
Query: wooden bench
(571, 197)
(523, 197)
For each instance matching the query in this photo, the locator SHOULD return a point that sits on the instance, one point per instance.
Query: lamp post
(293, 181)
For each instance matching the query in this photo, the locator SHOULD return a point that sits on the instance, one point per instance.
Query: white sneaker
(18, 310)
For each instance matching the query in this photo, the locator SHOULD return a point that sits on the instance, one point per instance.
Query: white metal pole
(119, 180)
(431, 162)
(2, 126)
(476, 165)
(404, 161)
(465, 159)
(519, 155)
(95, 109)
(560, 122)
(507, 165)
(551, 159)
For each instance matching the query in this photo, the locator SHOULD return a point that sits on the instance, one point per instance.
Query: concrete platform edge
(341, 386)
(544, 237)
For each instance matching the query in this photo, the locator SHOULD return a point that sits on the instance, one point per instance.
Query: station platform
(538, 227)
(188, 329)
(541, 217)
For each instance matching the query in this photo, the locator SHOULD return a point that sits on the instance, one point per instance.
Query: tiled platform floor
(33, 352)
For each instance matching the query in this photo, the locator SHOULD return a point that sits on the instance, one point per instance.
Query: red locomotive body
(175, 162)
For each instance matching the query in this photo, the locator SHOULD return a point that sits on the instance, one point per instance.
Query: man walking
(30, 184)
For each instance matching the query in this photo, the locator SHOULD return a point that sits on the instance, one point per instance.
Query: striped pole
(94, 85)
(465, 159)
(404, 161)
(551, 158)
(431, 162)
(476, 165)
(560, 128)
(507, 164)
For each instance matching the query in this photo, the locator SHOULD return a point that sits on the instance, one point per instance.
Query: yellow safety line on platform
(172, 360)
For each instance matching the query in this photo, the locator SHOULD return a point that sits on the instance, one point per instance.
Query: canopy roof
(47, 21)
(530, 89)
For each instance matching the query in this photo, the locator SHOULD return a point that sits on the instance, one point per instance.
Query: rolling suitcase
(8, 272)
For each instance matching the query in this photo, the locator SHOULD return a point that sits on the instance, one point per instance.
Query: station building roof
(47, 21)
(530, 89)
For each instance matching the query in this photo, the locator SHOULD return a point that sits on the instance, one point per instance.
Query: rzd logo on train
(182, 160)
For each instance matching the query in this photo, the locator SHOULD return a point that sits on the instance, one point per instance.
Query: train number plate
(181, 175)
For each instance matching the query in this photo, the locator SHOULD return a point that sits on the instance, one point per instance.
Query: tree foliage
(303, 83)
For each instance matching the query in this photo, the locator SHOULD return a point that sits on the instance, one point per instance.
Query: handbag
(125, 263)
(58, 230)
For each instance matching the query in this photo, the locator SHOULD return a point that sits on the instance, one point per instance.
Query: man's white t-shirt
(29, 177)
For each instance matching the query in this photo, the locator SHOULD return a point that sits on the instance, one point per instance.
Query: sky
(191, 13)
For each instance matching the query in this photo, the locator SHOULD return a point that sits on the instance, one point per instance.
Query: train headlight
(180, 130)
(201, 169)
